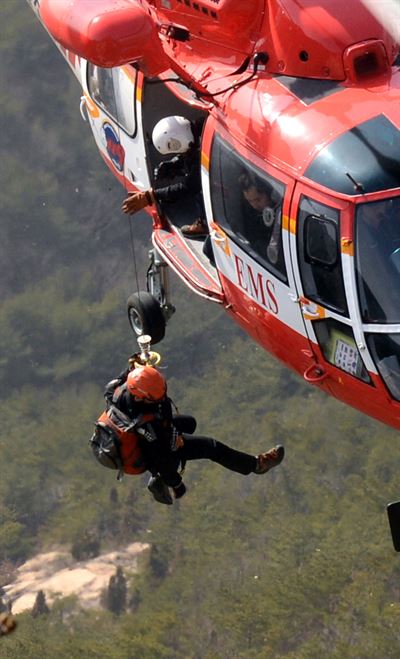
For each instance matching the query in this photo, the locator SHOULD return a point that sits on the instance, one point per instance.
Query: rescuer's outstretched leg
(197, 448)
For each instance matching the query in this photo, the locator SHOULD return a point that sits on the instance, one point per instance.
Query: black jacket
(184, 168)
(180, 175)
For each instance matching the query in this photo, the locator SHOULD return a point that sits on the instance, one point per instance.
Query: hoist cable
(130, 218)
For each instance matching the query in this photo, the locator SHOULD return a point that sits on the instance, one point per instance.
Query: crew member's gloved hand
(179, 490)
(137, 201)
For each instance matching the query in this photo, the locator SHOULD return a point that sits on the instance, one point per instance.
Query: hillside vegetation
(296, 564)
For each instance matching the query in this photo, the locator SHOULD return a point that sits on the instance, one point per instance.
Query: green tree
(116, 596)
(40, 607)
(4, 604)
(85, 546)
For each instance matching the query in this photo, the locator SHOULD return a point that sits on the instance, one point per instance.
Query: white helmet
(173, 135)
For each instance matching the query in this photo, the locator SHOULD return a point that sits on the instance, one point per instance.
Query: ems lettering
(272, 301)
(257, 286)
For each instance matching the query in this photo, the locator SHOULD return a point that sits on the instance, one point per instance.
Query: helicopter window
(319, 255)
(377, 260)
(339, 348)
(108, 88)
(247, 203)
(321, 241)
(385, 349)
(364, 159)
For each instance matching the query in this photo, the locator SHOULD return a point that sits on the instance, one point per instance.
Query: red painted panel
(106, 34)
(180, 257)
(307, 39)
(294, 351)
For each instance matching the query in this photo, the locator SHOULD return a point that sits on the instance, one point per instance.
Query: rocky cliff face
(59, 575)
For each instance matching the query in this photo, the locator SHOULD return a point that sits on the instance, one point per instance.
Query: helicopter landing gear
(145, 316)
(149, 311)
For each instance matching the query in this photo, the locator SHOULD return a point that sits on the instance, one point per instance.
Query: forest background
(298, 564)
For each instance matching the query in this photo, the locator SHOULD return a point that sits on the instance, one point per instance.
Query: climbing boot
(160, 490)
(197, 229)
(269, 460)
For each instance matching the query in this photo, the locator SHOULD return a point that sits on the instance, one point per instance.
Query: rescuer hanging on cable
(166, 439)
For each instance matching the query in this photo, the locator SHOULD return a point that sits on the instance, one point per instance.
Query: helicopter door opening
(318, 268)
(185, 255)
(159, 102)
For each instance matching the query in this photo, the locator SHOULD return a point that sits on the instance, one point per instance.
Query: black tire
(145, 316)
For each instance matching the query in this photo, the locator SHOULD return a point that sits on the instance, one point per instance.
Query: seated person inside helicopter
(181, 175)
(247, 204)
(261, 215)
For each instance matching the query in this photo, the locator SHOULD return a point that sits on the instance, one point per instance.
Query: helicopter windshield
(377, 232)
(385, 349)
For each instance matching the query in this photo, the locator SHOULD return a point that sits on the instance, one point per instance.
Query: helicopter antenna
(357, 185)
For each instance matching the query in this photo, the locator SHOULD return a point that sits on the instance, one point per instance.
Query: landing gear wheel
(145, 316)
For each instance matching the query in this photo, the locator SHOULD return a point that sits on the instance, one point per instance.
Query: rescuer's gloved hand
(137, 201)
(135, 359)
(179, 490)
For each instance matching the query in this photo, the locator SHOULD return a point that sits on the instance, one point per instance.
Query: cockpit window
(377, 260)
(319, 254)
(108, 88)
(247, 204)
(321, 241)
(385, 349)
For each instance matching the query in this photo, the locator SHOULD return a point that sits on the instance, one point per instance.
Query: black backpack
(106, 448)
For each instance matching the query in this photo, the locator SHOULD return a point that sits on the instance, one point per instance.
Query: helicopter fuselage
(300, 168)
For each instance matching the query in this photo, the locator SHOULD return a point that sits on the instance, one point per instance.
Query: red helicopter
(301, 101)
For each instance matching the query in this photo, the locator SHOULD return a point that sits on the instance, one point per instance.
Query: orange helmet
(146, 382)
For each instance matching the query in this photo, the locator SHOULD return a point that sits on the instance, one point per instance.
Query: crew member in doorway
(167, 440)
(182, 173)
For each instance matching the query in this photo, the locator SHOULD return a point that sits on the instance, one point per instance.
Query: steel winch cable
(130, 218)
